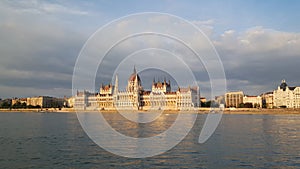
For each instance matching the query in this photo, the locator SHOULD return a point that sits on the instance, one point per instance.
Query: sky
(257, 41)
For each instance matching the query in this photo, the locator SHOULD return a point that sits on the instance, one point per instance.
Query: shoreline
(249, 111)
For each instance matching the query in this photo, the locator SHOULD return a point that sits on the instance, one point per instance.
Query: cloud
(15, 91)
(258, 40)
(259, 58)
(39, 46)
(37, 52)
(207, 26)
(127, 47)
(42, 7)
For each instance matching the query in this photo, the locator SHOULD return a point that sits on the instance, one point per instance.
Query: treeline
(5, 104)
(210, 103)
(18, 105)
(249, 105)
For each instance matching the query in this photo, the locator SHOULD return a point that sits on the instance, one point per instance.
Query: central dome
(283, 85)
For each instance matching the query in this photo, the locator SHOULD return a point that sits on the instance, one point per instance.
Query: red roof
(132, 77)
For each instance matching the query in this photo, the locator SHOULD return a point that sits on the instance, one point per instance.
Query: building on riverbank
(267, 100)
(134, 97)
(234, 99)
(252, 101)
(45, 101)
(19, 100)
(286, 96)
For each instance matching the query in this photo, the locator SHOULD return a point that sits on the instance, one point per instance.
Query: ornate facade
(134, 97)
(286, 96)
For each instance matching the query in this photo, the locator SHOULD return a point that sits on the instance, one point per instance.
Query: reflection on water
(140, 130)
(54, 140)
(103, 134)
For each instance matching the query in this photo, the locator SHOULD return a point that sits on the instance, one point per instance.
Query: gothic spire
(116, 84)
(134, 70)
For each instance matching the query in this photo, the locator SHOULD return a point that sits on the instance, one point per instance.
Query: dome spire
(283, 85)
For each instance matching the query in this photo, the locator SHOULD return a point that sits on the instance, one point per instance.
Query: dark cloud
(37, 53)
(256, 60)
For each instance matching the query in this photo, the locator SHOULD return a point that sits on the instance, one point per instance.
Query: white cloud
(207, 26)
(259, 40)
(39, 7)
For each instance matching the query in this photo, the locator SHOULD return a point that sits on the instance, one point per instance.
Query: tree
(32, 107)
(5, 104)
(256, 105)
(241, 105)
(210, 103)
(19, 105)
(248, 105)
(23, 105)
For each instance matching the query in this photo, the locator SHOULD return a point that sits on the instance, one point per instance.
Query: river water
(56, 140)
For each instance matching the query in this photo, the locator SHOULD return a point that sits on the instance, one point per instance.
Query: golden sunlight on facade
(134, 97)
(286, 96)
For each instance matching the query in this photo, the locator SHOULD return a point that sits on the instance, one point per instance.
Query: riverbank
(200, 111)
(39, 110)
(264, 111)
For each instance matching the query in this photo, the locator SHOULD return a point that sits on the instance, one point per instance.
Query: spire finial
(116, 80)
(134, 70)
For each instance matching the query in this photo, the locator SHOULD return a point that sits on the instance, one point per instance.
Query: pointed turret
(136, 83)
(116, 90)
(134, 70)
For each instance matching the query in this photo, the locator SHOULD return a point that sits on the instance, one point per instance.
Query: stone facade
(134, 97)
(286, 96)
(267, 100)
(234, 99)
(69, 102)
(255, 101)
(45, 101)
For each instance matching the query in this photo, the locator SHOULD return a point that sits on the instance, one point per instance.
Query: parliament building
(134, 97)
